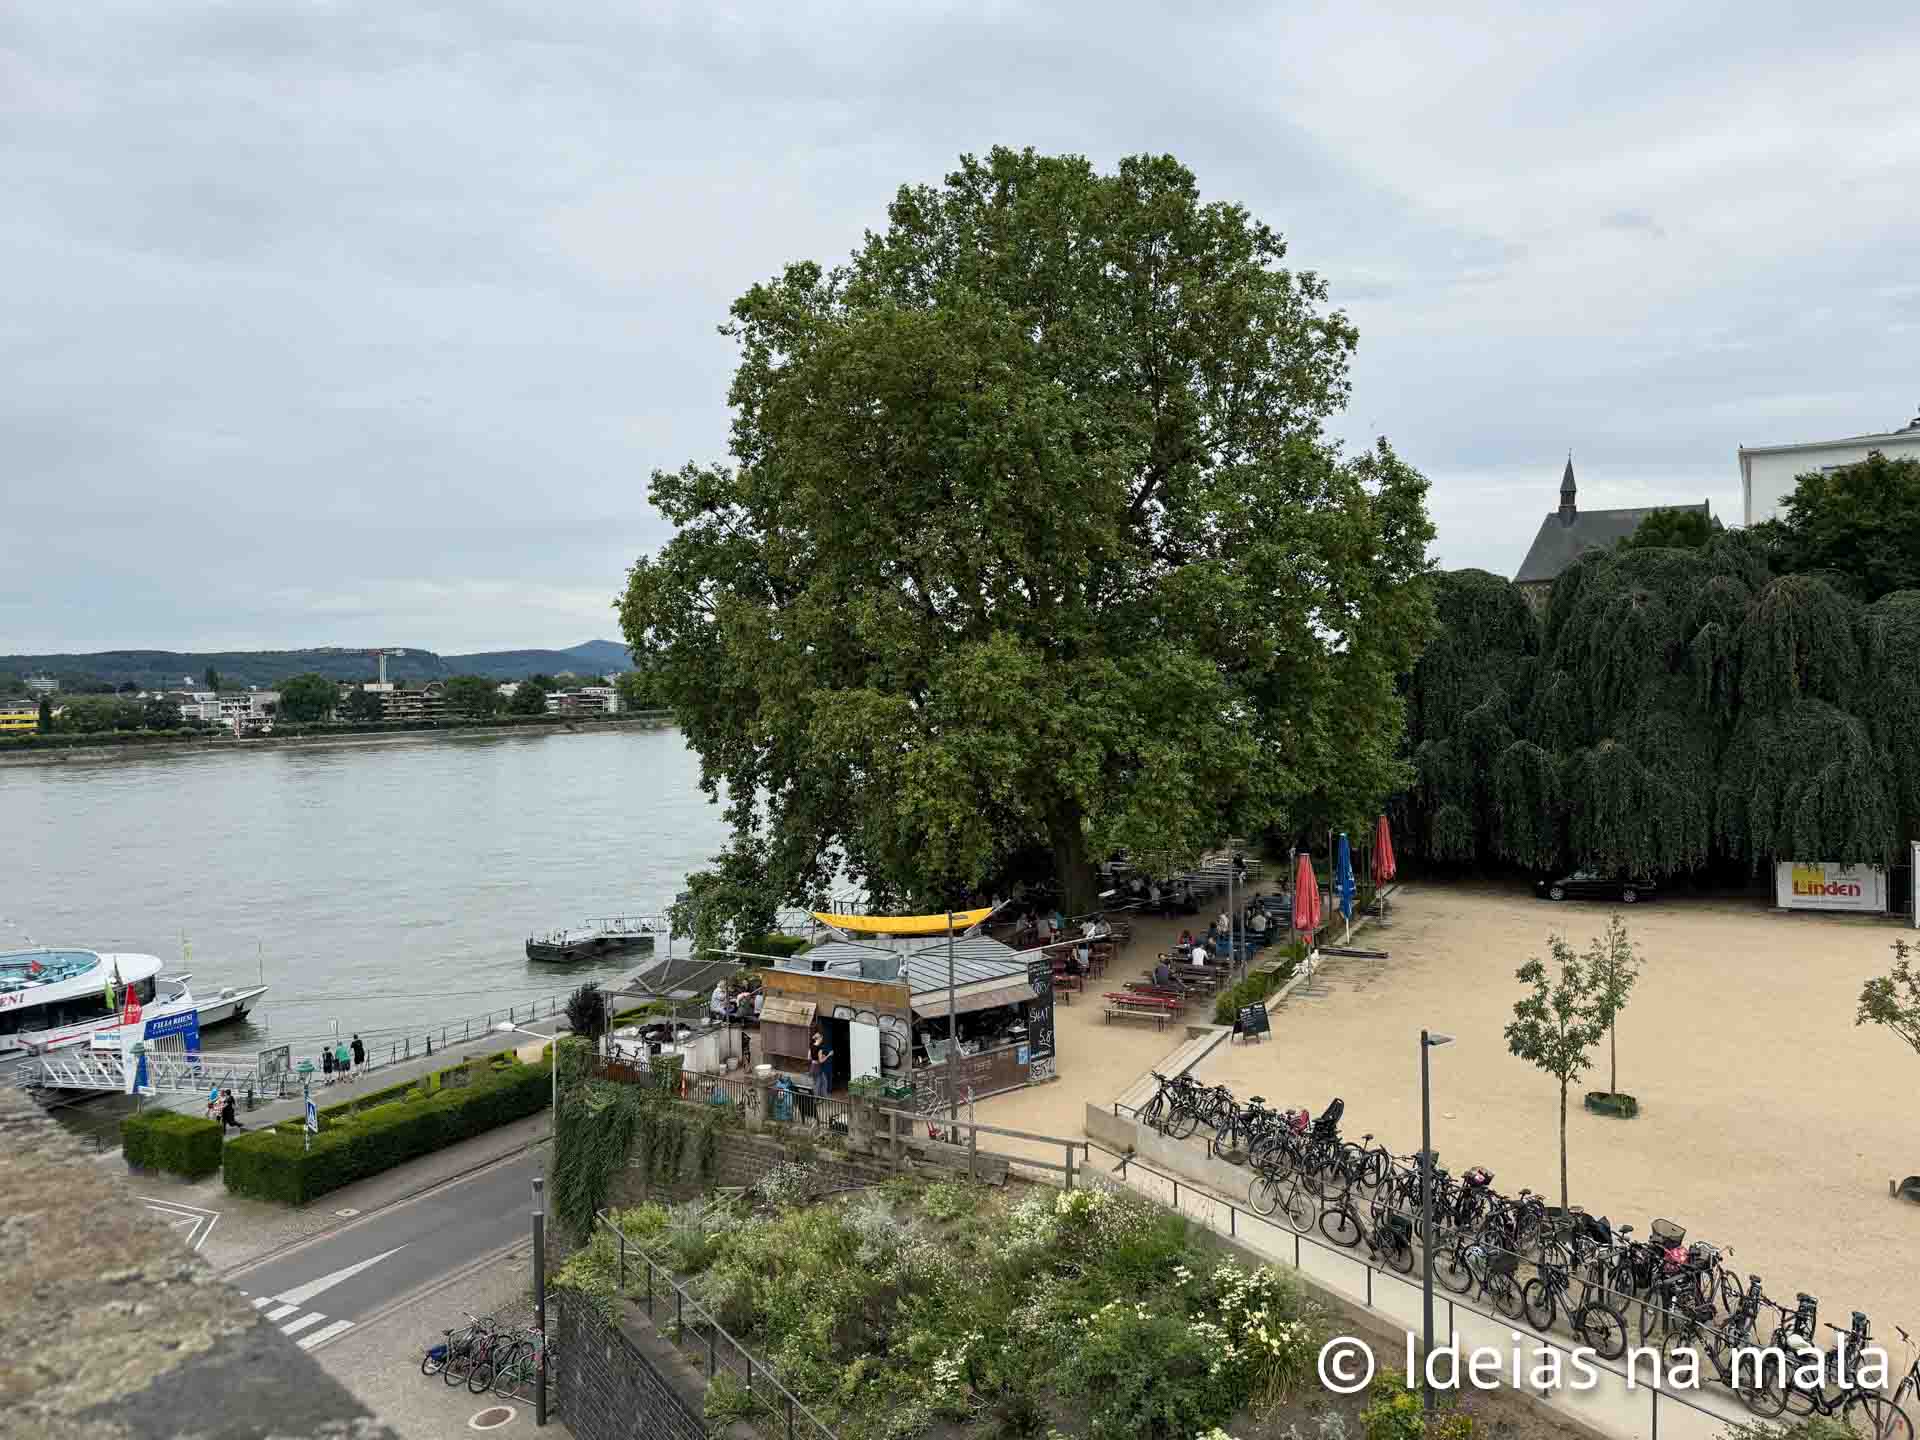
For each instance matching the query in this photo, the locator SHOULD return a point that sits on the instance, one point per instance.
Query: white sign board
(1822, 885)
(863, 1046)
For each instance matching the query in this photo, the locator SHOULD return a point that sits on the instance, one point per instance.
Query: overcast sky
(364, 322)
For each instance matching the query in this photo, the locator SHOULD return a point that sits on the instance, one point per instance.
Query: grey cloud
(378, 314)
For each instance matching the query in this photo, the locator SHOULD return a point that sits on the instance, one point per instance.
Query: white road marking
(312, 1317)
(301, 1294)
(281, 1312)
(198, 1223)
(262, 1301)
(320, 1337)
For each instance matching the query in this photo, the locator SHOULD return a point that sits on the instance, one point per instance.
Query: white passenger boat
(53, 999)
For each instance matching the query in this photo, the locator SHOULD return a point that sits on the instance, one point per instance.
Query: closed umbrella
(1382, 852)
(1306, 897)
(1343, 878)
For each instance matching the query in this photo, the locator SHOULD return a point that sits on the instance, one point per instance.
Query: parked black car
(1586, 885)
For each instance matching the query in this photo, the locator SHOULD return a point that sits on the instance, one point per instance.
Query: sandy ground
(1769, 1122)
(1098, 1058)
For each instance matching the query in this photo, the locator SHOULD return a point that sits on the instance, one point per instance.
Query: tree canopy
(308, 697)
(473, 695)
(1686, 708)
(529, 698)
(1672, 529)
(1032, 538)
(1861, 522)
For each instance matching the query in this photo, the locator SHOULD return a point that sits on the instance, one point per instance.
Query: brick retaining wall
(739, 1159)
(613, 1382)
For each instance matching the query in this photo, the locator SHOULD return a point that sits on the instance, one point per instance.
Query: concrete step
(1184, 1057)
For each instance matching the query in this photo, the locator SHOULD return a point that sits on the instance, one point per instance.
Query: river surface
(384, 888)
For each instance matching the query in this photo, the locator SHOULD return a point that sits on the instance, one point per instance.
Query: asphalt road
(322, 1288)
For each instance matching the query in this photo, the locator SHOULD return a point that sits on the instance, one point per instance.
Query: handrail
(683, 1302)
(1131, 1162)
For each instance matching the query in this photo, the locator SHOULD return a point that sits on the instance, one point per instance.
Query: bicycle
(1469, 1267)
(1591, 1320)
(1276, 1187)
(1839, 1393)
(1389, 1236)
(460, 1356)
(1910, 1382)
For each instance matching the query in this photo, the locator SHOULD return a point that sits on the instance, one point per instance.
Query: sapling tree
(1614, 963)
(1557, 1023)
(1893, 999)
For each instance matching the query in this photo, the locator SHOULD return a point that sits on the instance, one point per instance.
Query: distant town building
(42, 684)
(245, 710)
(1569, 532)
(427, 703)
(1767, 472)
(203, 705)
(588, 699)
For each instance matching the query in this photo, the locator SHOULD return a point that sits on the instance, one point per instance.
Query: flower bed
(949, 1309)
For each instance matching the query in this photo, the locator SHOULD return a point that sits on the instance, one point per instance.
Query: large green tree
(529, 697)
(1032, 537)
(309, 697)
(1861, 522)
(474, 696)
(1672, 529)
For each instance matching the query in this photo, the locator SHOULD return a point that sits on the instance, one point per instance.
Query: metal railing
(1247, 1226)
(695, 1329)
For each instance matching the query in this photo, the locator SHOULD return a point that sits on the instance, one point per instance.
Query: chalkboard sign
(1253, 1021)
(1040, 1009)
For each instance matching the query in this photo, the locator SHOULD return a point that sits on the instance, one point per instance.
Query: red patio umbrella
(1306, 897)
(1383, 852)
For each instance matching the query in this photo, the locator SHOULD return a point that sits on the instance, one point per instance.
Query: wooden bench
(1138, 1007)
(1148, 990)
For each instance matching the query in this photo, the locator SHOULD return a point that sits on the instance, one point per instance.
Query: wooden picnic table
(1136, 1006)
(1156, 992)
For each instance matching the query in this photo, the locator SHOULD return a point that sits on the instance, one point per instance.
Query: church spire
(1567, 507)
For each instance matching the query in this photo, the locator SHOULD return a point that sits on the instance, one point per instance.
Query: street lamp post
(507, 1027)
(1428, 1041)
(953, 1036)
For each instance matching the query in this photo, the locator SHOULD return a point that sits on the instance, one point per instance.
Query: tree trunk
(1563, 1146)
(1613, 1059)
(1072, 864)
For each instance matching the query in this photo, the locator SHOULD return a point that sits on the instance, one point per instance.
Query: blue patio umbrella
(1343, 876)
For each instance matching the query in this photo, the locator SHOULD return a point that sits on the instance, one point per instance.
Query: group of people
(729, 1004)
(338, 1062)
(221, 1108)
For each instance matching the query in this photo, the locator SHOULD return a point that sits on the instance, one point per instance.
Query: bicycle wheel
(1154, 1113)
(1183, 1122)
(1263, 1194)
(1542, 1304)
(1506, 1297)
(1450, 1268)
(516, 1368)
(459, 1364)
(1604, 1330)
(435, 1360)
(1301, 1208)
(1732, 1291)
(1400, 1254)
(1338, 1224)
(481, 1380)
(1377, 1166)
(1876, 1418)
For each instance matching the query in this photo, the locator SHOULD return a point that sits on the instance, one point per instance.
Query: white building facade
(1768, 472)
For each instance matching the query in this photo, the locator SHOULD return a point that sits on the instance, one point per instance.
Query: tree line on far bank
(1713, 705)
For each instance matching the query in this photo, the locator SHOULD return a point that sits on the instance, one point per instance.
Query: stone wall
(739, 1159)
(615, 1381)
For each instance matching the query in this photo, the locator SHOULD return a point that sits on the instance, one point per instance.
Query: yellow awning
(903, 924)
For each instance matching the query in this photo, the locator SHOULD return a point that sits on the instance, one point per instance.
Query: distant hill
(177, 668)
(596, 657)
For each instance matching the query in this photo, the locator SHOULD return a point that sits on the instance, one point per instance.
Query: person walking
(343, 1060)
(228, 1119)
(359, 1053)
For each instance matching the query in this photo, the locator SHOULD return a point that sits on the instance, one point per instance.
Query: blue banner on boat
(186, 1022)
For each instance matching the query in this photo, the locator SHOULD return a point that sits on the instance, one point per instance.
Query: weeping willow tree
(1683, 709)
(1463, 701)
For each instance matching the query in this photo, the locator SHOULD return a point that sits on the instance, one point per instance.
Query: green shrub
(783, 946)
(1256, 987)
(276, 1164)
(188, 1145)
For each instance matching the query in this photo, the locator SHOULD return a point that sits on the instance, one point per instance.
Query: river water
(382, 887)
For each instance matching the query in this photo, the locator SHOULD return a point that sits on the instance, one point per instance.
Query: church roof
(1565, 536)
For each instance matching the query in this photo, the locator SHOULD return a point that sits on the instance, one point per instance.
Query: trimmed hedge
(784, 946)
(276, 1165)
(188, 1145)
(1256, 987)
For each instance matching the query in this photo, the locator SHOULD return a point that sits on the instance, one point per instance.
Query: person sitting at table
(1186, 940)
(1082, 963)
(1199, 955)
(1257, 924)
(1163, 977)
